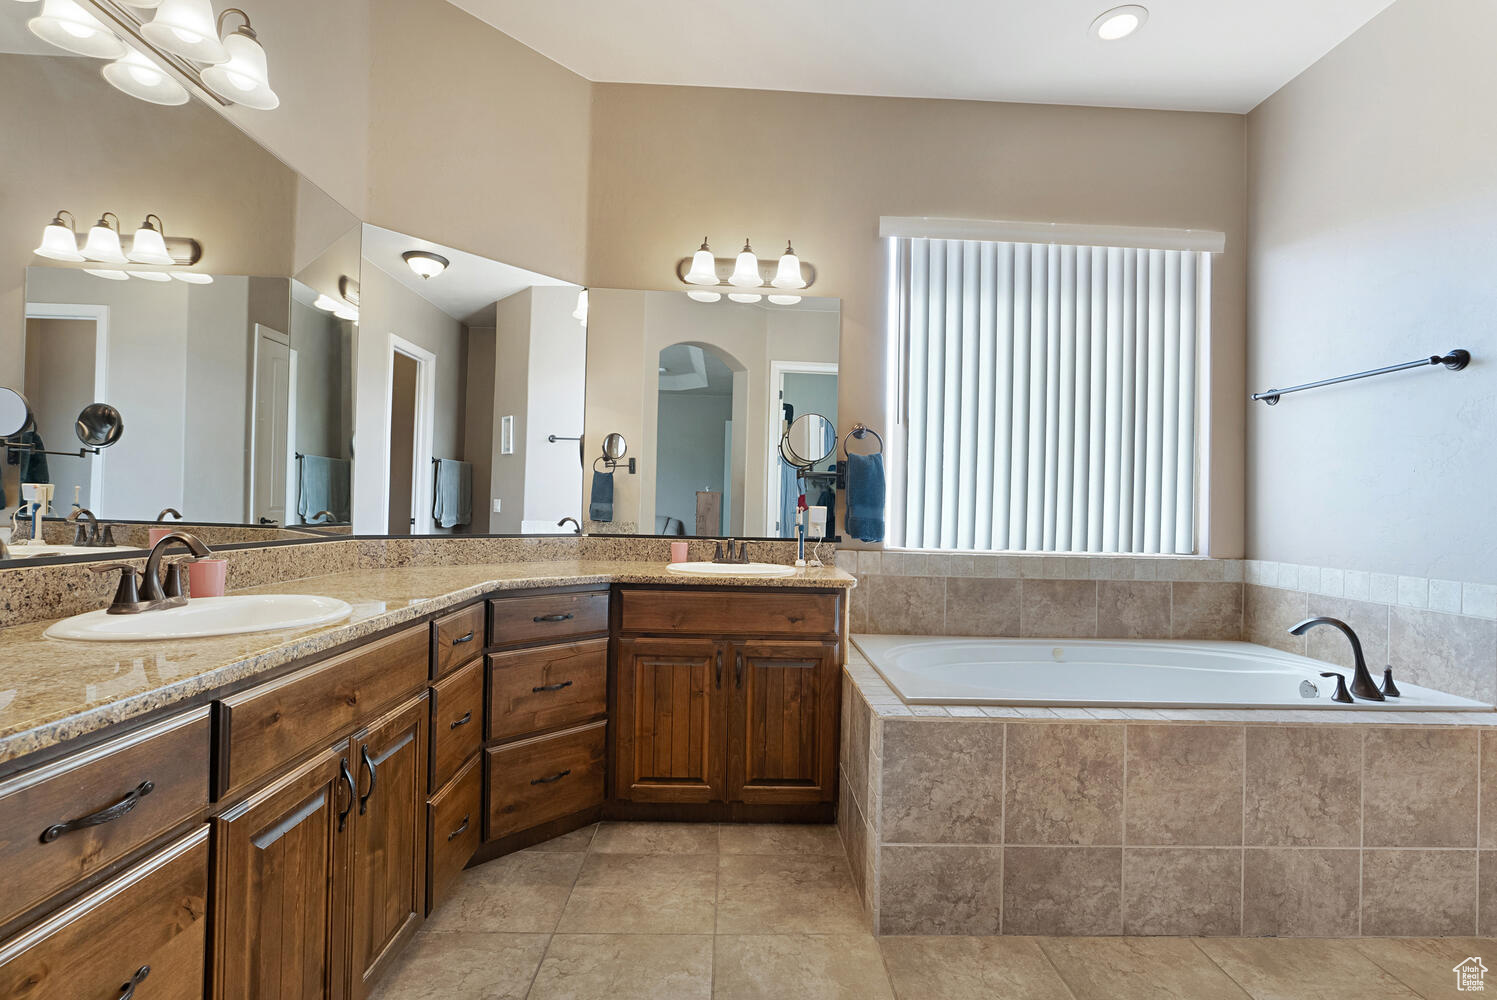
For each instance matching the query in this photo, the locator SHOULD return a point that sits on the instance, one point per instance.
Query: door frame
(100, 317)
(426, 391)
(777, 372)
(254, 414)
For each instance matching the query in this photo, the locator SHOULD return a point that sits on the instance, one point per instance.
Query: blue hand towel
(453, 504)
(324, 486)
(601, 507)
(865, 497)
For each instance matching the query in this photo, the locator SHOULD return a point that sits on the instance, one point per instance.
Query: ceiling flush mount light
(243, 78)
(149, 244)
(697, 296)
(65, 24)
(186, 28)
(60, 240)
(104, 241)
(703, 267)
(746, 269)
(425, 263)
(1119, 22)
(138, 76)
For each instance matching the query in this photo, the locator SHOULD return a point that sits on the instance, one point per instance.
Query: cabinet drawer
(545, 687)
(455, 817)
(268, 726)
(541, 779)
(71, 818)
(456, 721)
(456, 638)
(147, 926)
(716, 612)
(546, 617)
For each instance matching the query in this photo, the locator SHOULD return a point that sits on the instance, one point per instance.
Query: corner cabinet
(726, 702)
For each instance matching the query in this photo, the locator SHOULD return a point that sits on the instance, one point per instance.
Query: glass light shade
(149, 247)
(784, 300)
(244, 79)
(137, 76)
(705, 296)
(144, 4)
(113, 274)
(703, 267)
(326, 304)
(65, 24)
(103, 245)
(186, 28)
(580, 313)
(744, 297)
(347, 312)
(59, 242)
(746, 269)
(788, 275)
(193, 278)
(425, 263)
(150, 275)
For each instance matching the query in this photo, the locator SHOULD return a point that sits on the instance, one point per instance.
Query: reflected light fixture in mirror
(149, 244)
(746, 271)
(703, 269)
(135, 74)
(193, 278)
(244, 78)
(784, 300)
(108, 273)
(60, 240)
(186, 28)
(580, 313)
(104, 241)
(697, 296)
(744, 297)
(425, 263)
(65, 24)
(150, 275)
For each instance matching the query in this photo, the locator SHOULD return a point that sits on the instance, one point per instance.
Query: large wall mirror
(730, 410)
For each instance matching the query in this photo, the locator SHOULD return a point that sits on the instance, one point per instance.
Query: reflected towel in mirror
(453, 502)
(324, 485)
(600, 507)
(865, 497)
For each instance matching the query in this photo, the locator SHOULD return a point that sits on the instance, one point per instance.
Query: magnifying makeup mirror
(809, 440)
(15, 412)
(614, 447)
(99, 425)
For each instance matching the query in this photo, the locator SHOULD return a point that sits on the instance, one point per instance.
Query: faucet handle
(174, 584)
(107, 541)
(717, 552)
(127, 593)
(1340, 694)
(80, 534)
(1389, 689)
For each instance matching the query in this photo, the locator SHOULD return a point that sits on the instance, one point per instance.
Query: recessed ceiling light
(425, 263)
(1120, 22)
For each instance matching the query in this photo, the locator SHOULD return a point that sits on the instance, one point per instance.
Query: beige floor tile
(655, 838)
(770, 838)
(1138, 969)
(799, 967)
(643, 893)
(575, 842)
(971, 968)
(1427, 965)
(1303, 969)
(626, 967)
(464, 966)
(518, 893)
(758, 894)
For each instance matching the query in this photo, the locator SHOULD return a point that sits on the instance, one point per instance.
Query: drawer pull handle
(128, 990)
(467, 718)
(551, 687)
(463, 638)
(347, 777)
(369, 766)
(555, 777)
(107, 815)
(552, 618)
(461, 828)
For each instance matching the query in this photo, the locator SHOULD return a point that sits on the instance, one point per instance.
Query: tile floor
(664, 911)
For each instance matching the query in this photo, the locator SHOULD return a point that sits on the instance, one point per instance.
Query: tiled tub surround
(1076, 822)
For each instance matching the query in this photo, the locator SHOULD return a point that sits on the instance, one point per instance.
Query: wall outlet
(498, 506)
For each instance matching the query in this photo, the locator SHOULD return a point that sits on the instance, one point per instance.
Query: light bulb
(186, 28)
(149, 245)
(136, 75)
(59, 241)
(703, 266)
(744, 297)
(103, 244)
(705, 296)
(244, 79)
(67, 25)
(788, 275)
(746, 269)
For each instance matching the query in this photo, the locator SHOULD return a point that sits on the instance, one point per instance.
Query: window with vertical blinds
(1048, 394)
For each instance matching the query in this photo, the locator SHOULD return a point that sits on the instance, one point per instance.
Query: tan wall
(1374, 189)
(670, 164)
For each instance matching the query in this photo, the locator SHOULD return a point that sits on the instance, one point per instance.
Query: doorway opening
(65, 369)
(797, 388)
(410, 391)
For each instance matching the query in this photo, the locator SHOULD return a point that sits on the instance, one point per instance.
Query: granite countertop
(54, 690)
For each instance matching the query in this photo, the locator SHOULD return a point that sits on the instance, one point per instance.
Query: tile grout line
(1196, 944)
(1361, 826)
(1050, 960)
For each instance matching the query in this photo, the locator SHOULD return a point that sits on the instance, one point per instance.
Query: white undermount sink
(731, 569)
(205, 616)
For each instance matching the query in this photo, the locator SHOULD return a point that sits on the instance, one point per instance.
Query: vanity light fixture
(703, 268)
(136, 75)
(67, 25)
(103, 243)
(580, 313)
(425, 263)
(244, 77)
(746, 270)
(149, 244)
(697, 296)
(193, 277)
(1119, 22)
(751, 279)
(788, 275)
(60, 240)
(186, 28)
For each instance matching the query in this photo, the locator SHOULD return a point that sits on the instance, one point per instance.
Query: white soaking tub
(1124, 673)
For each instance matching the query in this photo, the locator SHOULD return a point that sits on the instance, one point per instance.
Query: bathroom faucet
(576, 525)
(174, 512)
(148, 592)
(317, 518)
(738, 558)
(1362, 685)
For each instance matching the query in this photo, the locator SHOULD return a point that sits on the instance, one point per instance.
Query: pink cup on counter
(207, 577)
(679, 552)
(157, 534)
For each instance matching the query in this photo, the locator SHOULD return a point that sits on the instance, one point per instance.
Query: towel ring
(612, 464)
(860, 431)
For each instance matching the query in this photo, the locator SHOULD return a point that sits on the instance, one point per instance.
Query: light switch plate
(498, 505)
(506, 436)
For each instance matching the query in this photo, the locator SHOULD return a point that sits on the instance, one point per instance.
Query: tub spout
(1362, 684)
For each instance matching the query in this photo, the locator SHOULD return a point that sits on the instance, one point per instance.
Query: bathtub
(1121, 673)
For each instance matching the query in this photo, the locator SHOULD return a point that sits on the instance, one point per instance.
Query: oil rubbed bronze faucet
(576, 527)
(1362, 685)
(93, 534)
(735, 558)
(148, 591)
(174, 512)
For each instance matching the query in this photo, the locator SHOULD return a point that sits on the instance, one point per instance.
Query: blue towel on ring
(600, 508)
(865, 497)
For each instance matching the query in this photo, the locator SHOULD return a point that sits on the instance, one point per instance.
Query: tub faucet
(1362, 685)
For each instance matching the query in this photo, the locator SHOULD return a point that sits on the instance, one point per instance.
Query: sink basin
(730, 569)
(205, 616)
(36, 550)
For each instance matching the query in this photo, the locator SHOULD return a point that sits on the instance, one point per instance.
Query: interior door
(671, 709)
(783, 744)
(389, 843)
(281, 886)
(272, 428)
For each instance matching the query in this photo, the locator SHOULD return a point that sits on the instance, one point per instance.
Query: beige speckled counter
(53, 690)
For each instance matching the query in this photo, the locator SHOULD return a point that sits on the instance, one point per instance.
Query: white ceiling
(470, 285)
(1194, 55)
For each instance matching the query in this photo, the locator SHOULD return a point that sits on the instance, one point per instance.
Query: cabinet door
(281, 890)
(671, 711)
(389, 842)
(783, 744)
